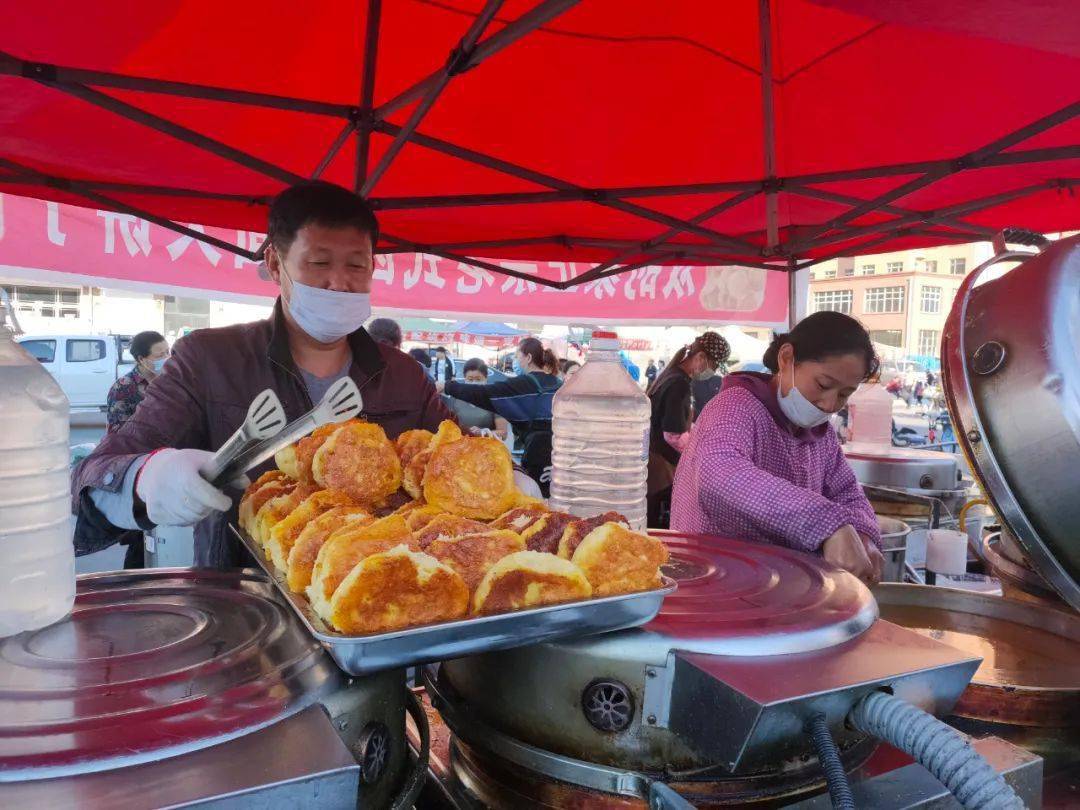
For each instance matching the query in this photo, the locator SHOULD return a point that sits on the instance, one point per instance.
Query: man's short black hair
(386, 330)
(475, 364)
(421, 357)
(143, 343)
(441, 349)
(322, 203)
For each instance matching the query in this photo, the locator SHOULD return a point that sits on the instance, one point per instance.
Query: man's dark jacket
(202, 397)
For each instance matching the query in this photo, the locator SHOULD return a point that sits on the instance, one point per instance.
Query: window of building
(867, 270)
(884, 299)
(833, 301)
(929, 342)
(888, 337)
(958, 266)
(894, 267)
(48, 302)
(44, 351)
(931, 265)
(930, 300)
(848, 271)
(829, 273)
(85, 351)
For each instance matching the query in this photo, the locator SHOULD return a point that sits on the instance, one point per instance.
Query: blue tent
(486, 329)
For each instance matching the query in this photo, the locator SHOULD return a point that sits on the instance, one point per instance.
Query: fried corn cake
(420, 516)
(284, 533)
(305, 550)
(285, 458)
(472, 555)
(528, 579)
(359, 460)
(412, 442)
(544, 535)
(276, 509)
(344, 549)
(446, 526)
(310, 444)
(415, 470)
(473, 477)
(616, 560)
(397, 588)
(251, 503)
(577, 530)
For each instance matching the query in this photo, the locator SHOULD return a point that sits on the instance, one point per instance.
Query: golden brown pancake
(266, 478)
(472, 555)
(519, 518)
(395, 589)
(392, 504)
(528, 579)
(359, 460)
(305, 550)
(276, 509)
(412, 479)
(285, 458)
(473, 477)
(446, 526)
(616, 560)
(251, 504)
(421, 516)
(285, 531)
(545, 534)
(309, 445)
(344, 549)
(410, 443)
(447, 433)
(578, 529)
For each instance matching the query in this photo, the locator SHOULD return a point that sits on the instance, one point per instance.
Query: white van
(85, 366)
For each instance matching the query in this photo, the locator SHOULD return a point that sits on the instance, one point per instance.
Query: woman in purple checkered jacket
(764, 464)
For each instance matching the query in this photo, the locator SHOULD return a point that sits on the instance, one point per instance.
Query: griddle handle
(661, 797)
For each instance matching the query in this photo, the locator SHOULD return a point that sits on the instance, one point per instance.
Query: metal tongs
(340, 402)
(265, 418)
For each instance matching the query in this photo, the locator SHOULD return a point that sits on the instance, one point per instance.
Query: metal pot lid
(905, 468)
(1011, 373)
(152, 664)
(744, 599)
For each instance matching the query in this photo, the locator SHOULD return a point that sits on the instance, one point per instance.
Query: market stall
(735, 686)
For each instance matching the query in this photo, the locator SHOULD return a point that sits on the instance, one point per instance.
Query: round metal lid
(745, 599)
(902, 467)
(1011, 373)
(152, 664)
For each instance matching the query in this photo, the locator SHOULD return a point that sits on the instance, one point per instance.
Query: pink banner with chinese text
(124, 251)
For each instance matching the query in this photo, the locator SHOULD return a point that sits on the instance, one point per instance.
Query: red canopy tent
(618, 132)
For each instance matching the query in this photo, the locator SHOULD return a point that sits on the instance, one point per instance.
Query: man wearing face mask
(764, 464)
(672, 400)
(321, 239)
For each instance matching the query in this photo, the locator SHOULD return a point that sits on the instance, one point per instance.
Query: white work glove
(527, 486)
(173, 491)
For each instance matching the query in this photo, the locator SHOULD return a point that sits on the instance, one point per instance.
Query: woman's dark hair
(421, 356)
(322, 203)
(143, 343)
(475, 364)
(551, 362)
(534, 350)
(824, 335)
(714, 346)
(566, 365)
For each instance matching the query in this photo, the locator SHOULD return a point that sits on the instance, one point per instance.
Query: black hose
(829, 757)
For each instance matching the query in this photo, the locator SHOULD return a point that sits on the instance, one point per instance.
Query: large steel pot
(894, 536)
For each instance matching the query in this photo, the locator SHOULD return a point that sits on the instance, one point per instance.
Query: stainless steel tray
(362, 655)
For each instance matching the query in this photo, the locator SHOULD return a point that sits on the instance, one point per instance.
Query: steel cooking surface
(737, 598)
(151, 664)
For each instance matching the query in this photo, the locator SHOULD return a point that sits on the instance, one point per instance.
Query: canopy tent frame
(761, 249)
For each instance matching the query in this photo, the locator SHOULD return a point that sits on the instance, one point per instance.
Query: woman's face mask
(798, 408)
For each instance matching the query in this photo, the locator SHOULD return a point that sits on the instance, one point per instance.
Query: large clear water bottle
(870, 415)
(600, 447)
(37, 561)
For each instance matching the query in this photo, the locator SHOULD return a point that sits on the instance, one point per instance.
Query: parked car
(85, 366)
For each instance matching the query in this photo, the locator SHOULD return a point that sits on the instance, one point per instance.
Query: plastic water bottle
(600, 445)
(37, 560)
(870, 415)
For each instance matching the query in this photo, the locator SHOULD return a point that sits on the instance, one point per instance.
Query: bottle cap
(604, 342)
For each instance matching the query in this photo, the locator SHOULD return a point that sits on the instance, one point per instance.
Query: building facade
(901, 298)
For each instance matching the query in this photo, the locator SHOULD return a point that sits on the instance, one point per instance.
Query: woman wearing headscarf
(672, 416)
(765, 465)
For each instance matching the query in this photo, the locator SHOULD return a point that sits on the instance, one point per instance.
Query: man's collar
(365, 351)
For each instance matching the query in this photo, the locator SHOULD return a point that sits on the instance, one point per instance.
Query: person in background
(672, 400)
(551, 364)
(651, 372)
(704, 388)
(631, 367)
(149, 351)
(386, 331)
(764, 464)
(569, 368)
(443, 368)
(479, 422)
(525, 402)
(920, 390)
(423, 358)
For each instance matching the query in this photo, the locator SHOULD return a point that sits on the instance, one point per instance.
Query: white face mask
(327, 315)
(798, 408)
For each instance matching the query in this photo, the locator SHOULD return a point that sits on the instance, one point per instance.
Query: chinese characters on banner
(126, 250)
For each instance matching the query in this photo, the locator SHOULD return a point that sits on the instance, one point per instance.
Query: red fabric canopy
(618, 132)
